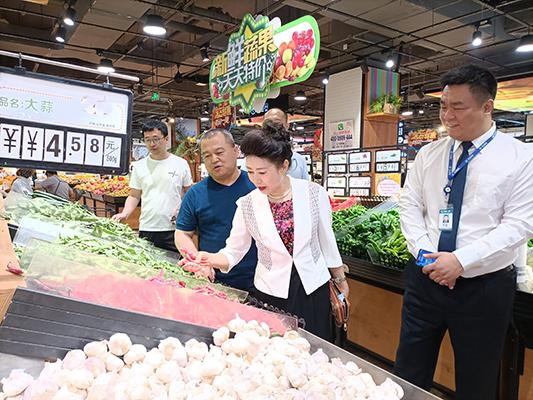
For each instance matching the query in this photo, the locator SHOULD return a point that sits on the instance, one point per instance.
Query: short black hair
(481, 81)
(151, 124)
(25, 172)
(219, 131)
(51, 172)
(272, 142)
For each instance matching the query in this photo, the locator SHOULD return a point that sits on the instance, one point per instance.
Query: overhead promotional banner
(262, 57)
(58, 124)
(223, 116)
(341, 135)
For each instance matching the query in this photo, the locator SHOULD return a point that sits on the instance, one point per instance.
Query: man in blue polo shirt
(209, 206)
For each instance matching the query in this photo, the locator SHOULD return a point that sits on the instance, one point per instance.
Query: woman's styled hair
(272, 142)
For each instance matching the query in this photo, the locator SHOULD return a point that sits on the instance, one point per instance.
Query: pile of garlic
(250, 366)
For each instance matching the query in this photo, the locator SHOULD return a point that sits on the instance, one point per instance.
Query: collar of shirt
(478, 141)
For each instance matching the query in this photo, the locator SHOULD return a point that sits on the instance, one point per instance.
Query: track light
(204, 119)
(526, 44)
(61, 34)
(154, 25)
(476, 38)
(299, 128)
(407, 113)
(420, 93)
(300, 96)
(106, 66)
(204, 55)
(70, 16)
(201, 80)
(421, 112)
(325, 80)
(390, 61)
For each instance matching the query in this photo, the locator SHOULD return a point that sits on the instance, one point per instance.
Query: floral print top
(284, 221)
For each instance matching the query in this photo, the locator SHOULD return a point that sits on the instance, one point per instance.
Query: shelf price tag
(52, 123)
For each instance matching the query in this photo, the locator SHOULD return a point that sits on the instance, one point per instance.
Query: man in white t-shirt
(159, 181)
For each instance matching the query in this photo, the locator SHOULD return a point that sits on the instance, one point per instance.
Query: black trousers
(163, 240)
(477, 313)
(314, 308)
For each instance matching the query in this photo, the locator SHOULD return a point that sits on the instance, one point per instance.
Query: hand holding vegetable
(190, 264)
(119, 217)
(445, 270)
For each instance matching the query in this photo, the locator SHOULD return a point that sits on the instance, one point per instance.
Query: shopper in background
(297, 251)
(482, 181)
(54, 185)
(209, 206)
(298, 166)
(159, 181)
(24, 183)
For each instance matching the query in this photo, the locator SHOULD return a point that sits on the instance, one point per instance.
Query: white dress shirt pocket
(491, 190)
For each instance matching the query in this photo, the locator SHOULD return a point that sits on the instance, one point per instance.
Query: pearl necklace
(284, 195)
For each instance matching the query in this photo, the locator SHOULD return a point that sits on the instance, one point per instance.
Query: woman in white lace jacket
(290, 221)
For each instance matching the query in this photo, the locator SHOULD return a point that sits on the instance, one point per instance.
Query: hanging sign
(59, 124)
(262, 57)
(341, 135)
(223, 116)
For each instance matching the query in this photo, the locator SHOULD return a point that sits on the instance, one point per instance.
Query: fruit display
(7, 181)
(116, 186)
(254, 364)
(76, 179)
(295, 57)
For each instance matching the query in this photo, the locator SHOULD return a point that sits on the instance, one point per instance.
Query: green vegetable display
(369, 235)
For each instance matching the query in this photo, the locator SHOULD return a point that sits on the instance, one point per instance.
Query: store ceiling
(430, 36)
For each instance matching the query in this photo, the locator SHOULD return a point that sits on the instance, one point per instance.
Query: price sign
(336, 192)
(388, 155)
(360, 182)
(360, 167)
(360, 192)
(360, 157)
(336, 182)
(388, 167)
(59, 124)
(337, 158)
(339, 169)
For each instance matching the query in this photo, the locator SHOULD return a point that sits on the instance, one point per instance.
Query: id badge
(446, 219)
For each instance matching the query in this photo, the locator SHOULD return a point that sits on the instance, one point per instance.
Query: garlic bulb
(113, 363)
(96, 349)
(137, 352)
(220, 335)
(119, 344)
(168, 345)
(16, 382)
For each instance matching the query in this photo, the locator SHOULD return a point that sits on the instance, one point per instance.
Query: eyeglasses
(154, 140)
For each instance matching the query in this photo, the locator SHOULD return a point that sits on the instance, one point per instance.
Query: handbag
(340, 306)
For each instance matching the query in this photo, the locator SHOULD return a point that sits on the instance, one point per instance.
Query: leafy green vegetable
(377, 233)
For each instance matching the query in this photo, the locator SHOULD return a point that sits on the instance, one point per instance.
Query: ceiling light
(154, 25)
(420, 112)
(390, 62)
(106, 66)
(171, 120)
(61, 34)
(476, 38)
(300, 96)
(201, 80)
(526, 44)
(70, 16)
(300, 128)
(204, 55)
(407, 113)
(325, 80)
(204, 119)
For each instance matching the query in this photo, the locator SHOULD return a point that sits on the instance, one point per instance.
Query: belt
(509, 268)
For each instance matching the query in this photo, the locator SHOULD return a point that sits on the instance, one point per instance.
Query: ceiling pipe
(21, 56)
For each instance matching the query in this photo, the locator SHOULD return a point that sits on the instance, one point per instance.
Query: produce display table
(376, 298)
(107, 206)
(24, 341)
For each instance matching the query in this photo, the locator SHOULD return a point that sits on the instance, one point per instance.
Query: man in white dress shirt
(468, 206)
